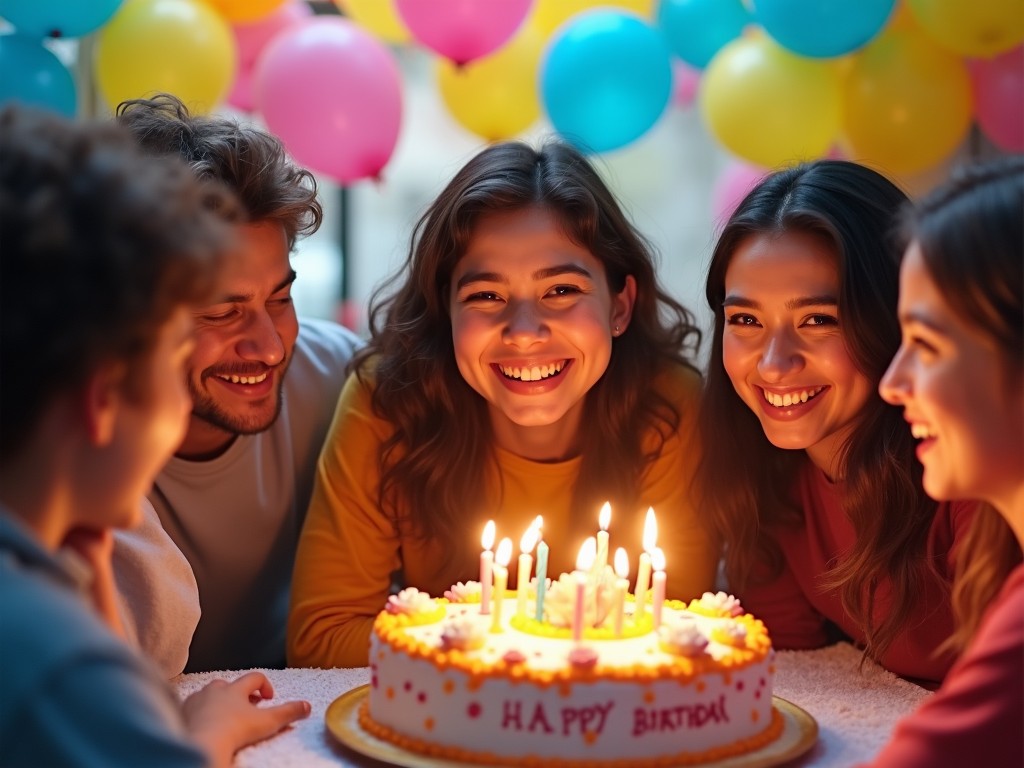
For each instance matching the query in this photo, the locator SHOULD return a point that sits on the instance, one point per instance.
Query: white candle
(501, 560)
(542, 577)
(486, 559)
(658, 588)
(603, 519)
(526, 545)
(584, 561)
(621, 586)
(643, 576)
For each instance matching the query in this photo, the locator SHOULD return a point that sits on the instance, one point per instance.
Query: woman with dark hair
(528, 363)
(959, 377)
(808, 476)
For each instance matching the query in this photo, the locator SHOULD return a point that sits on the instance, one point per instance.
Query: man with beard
(264, 386)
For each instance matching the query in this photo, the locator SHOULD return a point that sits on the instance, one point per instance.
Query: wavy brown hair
(745, 482)
(442, 441)
(971, 234)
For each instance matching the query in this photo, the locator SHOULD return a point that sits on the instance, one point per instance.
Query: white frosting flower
(463, 593)
(721, 603)
(462, 633)
(560, 602)
(683, 639)
(731, 633)
(411, 601)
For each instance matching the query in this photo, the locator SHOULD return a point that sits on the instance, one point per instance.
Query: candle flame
(504, 553)
(621, 563)
(605, 517)
(658, 559)
(538, 523)
(588, 553)
(650, 531)
(487, 540)
(529, 540)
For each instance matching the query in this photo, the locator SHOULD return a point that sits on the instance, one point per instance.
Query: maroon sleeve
(792, 622)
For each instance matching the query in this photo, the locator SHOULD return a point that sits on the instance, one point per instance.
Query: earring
(615, 331)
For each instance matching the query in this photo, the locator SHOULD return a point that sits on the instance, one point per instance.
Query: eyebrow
(916, 318)
(800, 303)
(241, 298)
(540, 274)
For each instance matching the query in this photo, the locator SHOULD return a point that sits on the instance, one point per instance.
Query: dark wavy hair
(100, 245)
(745, 482)
(440, 423)
(971, 234)
(250, 162)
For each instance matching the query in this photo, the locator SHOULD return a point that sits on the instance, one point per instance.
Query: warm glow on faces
(532, 323)
(961, 402)
(244, 341)
(783, 346)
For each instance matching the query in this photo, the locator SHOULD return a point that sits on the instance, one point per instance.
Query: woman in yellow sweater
(528, 363)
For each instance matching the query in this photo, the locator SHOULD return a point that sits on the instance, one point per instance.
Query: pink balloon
(732, 186)
(998, 85)
(252, 38)
(685, 82)
(462, 30)
(332, 93)
(241, 95)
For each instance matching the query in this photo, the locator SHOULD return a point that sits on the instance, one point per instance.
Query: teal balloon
(823, 29)
(605, 79)
(31, 74)
(696, 30)
(57, 18)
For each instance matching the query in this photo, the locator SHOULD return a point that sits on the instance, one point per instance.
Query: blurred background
(682, 104)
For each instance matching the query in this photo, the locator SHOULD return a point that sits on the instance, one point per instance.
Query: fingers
(281, 715)
(255, 683)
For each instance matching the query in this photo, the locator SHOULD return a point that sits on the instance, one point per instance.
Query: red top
(977, 717)
(796, 610)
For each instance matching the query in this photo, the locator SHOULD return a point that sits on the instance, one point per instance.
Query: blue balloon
(32, 74)
(823, 29)
(696, 30)
(57, 18)
(605, 80)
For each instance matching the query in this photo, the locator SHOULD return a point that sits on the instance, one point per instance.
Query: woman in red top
(959, 376)
(808, 475)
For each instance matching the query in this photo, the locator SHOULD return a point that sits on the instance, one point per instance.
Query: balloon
(251, 39)
(41, 79)
(697, 29)
(998, 85)
(768, 105)
(606, 79)
(57, 18)
(462, 30)
(685, 82)
(332, 92)
(906, 103)
(495, 97)
(822, 29)
(732, 185)
(378, 17)
(549, 15)
(979, 28)
(244, 11)
(178, 46)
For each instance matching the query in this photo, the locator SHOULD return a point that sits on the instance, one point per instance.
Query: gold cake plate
(799, 733)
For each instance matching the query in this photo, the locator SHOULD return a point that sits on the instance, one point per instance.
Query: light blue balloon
(696, 30)
(57, 18)
(32, 74)
(823, 29)
(605, 79)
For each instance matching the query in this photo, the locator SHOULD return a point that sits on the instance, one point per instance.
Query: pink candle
(644, 573)
(658, 586)
(584, 561)
(526, 545)
(486, 561)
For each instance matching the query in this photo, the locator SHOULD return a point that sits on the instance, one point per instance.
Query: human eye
(217, 315)
(822, 319)
(281, 300)
(564, 290)
(742, 320)
(480, 297)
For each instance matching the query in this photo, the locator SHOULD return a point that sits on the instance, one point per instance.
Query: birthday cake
(605, 687)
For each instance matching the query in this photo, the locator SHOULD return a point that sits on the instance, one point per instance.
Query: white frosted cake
(449, 681)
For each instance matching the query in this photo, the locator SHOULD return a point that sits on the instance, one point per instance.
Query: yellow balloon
(379, 17)
(496, 96)
(979, 28)
(906, 103)
(182, 47)
(768, 105)
(548, 15)
(245, 11)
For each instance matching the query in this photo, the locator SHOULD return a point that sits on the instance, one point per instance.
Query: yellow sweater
(349, 548)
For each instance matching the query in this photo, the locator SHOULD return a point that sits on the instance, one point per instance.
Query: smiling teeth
(921, 431)
(534, 373)
(790, 398)
(244, 379)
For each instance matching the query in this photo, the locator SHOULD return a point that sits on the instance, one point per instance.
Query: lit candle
(603, 519)
(584, 561)
(542, 571)
(643, 575)
(486, 558)
(621, 585)
(501, 560)
(526, 545)
(658, 588)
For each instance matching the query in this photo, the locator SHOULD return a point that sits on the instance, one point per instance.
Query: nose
(261, 341)
(781, 357)
(894, 386)
(524, 325)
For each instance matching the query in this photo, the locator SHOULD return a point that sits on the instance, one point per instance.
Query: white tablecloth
(855, 709)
